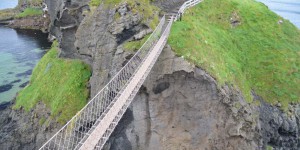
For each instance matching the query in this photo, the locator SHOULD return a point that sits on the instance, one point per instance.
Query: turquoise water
(20, 50)
(289, 9)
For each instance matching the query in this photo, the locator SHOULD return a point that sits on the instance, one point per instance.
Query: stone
(123, 9)
(278, 105)
(119, 50)
(142, 34)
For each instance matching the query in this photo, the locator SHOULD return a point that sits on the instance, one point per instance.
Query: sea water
(20, 50)
(289, 9)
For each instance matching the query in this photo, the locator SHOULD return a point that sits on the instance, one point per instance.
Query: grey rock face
(278, 129)
(101, 35)
(65, 18)
(21, 130)
(142, 34)
(180, 107)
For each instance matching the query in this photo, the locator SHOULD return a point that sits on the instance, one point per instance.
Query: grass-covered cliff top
(59, 83)
(30, 12)
(241, 42)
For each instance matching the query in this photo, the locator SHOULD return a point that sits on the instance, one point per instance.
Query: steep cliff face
(180, 106)
(66, 17)
(25, 130)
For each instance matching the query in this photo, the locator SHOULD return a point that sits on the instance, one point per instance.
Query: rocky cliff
(179, 106)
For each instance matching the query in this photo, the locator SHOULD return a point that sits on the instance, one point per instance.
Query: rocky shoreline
(40, 22)
(33, 23)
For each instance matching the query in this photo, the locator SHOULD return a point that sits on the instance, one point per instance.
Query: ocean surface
(20, 50)
(289, 9)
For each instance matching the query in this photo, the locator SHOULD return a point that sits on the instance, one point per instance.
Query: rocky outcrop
(180, 106)
(100, 39)
(280, 130)
(26, 130)
(35, 23)
(38, 22)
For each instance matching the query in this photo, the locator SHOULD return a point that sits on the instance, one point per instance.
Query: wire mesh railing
(186, 5)
(140, 77)
(75, 132)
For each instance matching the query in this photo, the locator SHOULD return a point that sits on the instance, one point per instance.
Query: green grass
(29, 12)
(135, 45)
(259, 54)
(95, 2)
(269, 148)
(42, 121)
(61, 84)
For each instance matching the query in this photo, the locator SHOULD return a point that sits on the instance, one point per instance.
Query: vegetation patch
(29, 12)
(95, 3)
(61, 84)
(135, 45)
(42, 121)
(242, 43)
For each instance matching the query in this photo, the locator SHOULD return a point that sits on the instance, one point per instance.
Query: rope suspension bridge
(92, 126)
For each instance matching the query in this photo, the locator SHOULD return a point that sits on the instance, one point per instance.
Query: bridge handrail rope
(76, 129)
(186, 5)
(128, 95)
(91, 127)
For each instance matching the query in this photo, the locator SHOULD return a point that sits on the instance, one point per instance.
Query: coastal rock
(142, 34)
(21, 130)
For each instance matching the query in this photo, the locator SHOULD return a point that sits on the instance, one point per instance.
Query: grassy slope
(259, 54)
(59, 83)
(29, 12)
